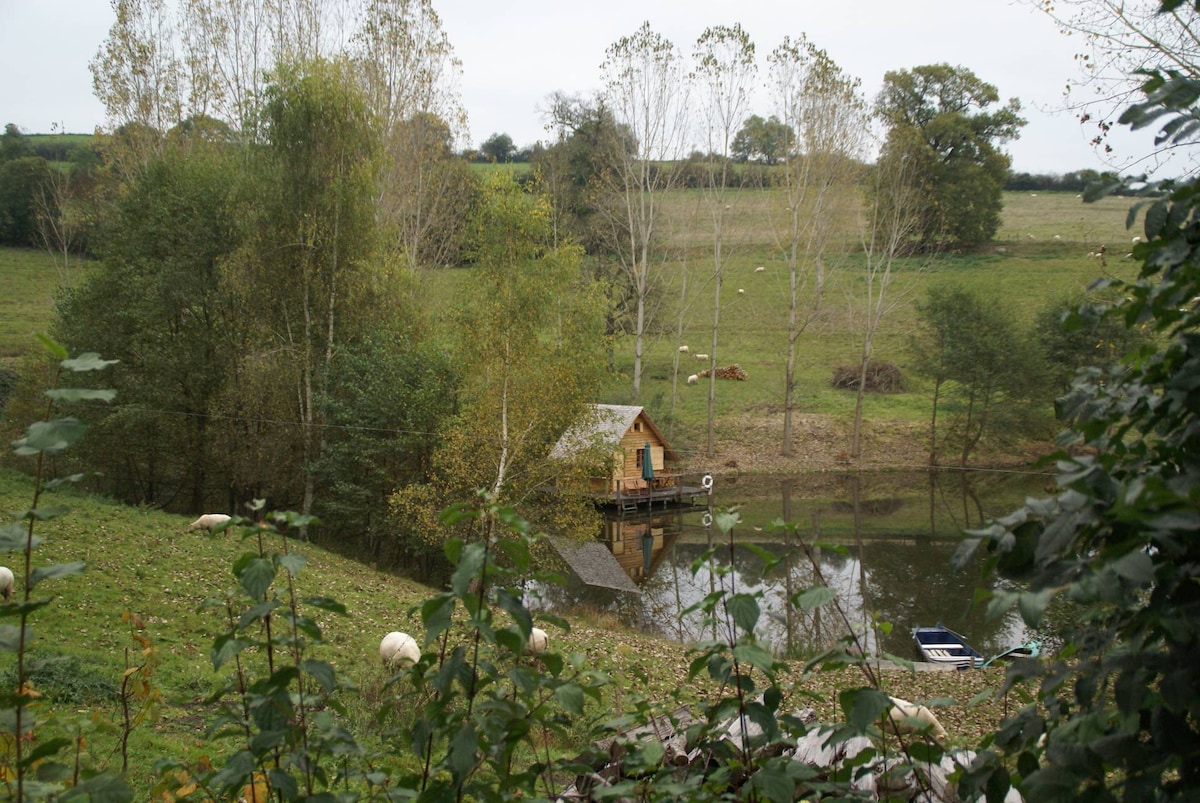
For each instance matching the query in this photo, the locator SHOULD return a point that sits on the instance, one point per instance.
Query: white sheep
(6, 582)
(693, 379)
(741, 292)
(903, 713)
(538, 641)
(701, 356)
(683, 349)
(760, 269)
(399, 649)
(209, 521)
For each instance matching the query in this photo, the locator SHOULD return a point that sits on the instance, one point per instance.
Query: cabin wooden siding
(625, 459)
(626, 429)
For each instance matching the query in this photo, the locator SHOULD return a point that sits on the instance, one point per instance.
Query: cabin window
(637, 426)
(641, 458)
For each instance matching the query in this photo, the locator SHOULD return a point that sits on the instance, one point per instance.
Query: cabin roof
(605, 427)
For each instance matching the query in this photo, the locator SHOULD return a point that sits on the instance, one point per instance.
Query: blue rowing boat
(941, 645)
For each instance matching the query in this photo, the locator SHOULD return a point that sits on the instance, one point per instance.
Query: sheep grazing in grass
(399, 649)
(760, 269)
(741, 292)
(209, 521)
(906, 717)
(683, 349)
(693, 379)
(6, 583)
(538, 641)
(701, 356)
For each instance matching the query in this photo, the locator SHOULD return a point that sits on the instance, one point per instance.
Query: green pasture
(1041, 255)
(29, 280)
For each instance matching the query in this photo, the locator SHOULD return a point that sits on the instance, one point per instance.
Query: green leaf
(325, 604)
(1033, 604)
(225, 647)
(744, 610)
(772, 784)
(755, 656)
(256, 577)
(322, 671)
(52, 346)
(815, 597)
(105, 788)
(863, 707)
(49, 437)
(436, 613)
(15, 537)
(570, 697)
(10, 637)
(460, 758)
(80, 394)
(58, 570)
(292, 563)
(726, 520)
(88, 361)
(1137, 567)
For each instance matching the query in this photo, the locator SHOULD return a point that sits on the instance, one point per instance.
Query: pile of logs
(733, 371)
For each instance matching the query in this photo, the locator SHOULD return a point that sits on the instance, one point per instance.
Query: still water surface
(896, 534)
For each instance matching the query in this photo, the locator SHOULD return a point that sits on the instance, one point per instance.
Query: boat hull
(941, 645)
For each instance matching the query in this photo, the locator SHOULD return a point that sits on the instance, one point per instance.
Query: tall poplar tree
(725, 70)
(645, 92)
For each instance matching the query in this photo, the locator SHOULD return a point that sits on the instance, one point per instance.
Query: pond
(888, 541)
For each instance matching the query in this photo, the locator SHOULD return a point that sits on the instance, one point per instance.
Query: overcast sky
(515, 54)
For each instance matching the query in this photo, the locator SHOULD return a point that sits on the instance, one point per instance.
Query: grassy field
(1041, 255)
(142, 561)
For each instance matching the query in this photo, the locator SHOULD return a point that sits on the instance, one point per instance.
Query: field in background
(1025, 270)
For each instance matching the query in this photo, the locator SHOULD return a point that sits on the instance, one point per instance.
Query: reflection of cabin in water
(639, 544)
(640, 457)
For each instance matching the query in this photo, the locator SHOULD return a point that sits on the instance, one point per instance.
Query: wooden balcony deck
(664, 490)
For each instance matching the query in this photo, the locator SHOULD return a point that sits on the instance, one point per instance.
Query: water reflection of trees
(902, 579)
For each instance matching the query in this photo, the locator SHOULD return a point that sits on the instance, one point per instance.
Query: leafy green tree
(766, 141)
(1077, 333)
(986, 373)
(14, 144)
(1113, 715)
(21, 184)
(530, 350)
(317, 233)
(498, 148)
(156, 301)
(947, 119)
(384, 407)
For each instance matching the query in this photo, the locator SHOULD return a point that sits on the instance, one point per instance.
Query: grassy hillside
(141, 561)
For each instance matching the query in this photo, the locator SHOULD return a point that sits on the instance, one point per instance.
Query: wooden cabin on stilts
(643, 465)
